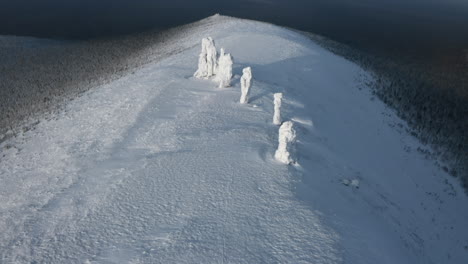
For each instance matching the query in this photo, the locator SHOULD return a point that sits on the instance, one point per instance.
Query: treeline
(433, 101)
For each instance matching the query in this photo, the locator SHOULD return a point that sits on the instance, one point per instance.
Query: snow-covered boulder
(353, 183)
(277, 115)
(286, 138)
(207, 61)
(246, 82)
(224, 72)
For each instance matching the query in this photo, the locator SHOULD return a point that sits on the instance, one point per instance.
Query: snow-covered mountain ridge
(160, 167)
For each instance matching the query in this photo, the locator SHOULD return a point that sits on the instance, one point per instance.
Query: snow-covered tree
(246, 82)
(277, 115)
(207, 61)
(286, 138)
(224, 72)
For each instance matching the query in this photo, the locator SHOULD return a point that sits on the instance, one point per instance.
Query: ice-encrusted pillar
(207, 60)
(224, 74)
(278, 97)
(246, 82)
(286, 138)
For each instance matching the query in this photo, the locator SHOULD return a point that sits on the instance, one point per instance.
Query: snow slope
(160, 167)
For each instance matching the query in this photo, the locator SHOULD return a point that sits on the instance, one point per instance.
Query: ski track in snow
(159, 167)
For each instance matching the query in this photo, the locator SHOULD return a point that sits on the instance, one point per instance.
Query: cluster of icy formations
(219, 68)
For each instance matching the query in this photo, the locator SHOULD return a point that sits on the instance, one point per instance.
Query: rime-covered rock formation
(207, 60)
(286, 137)
(224, 74)
(277, 114)
(246, 82)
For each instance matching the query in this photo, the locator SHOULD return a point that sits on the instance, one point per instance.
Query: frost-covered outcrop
(286, 138)
(224, 72)
(246, 82)
(207, 61)
(277, 114)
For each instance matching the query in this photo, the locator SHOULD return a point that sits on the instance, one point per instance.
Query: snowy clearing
(162, 167)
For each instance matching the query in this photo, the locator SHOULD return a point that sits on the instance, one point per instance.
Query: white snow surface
(161, 167)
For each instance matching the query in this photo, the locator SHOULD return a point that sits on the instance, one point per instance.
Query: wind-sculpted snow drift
(161, 167)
